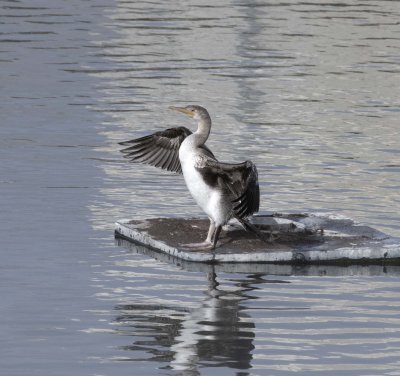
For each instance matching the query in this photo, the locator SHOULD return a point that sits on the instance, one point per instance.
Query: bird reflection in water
(219, 333)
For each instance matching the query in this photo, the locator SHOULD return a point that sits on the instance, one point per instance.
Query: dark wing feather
(160, 149)
(240, 181)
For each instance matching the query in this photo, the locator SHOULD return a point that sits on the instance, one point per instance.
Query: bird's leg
(208, 243)
(211, 230)
(214, 239)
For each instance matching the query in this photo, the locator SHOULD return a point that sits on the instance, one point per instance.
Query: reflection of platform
(298, 238)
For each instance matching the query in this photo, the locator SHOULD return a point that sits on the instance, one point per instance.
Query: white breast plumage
(208, 198)
(200, 191)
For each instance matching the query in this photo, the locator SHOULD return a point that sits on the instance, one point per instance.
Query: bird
(222, 190)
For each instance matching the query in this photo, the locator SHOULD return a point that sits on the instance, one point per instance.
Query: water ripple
(308, 90)
(233, 320)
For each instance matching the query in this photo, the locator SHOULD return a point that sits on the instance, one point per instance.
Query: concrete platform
(334, 268)
(297, 238)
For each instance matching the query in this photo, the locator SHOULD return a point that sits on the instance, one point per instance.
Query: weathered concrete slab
(335, 269)
(297, 238)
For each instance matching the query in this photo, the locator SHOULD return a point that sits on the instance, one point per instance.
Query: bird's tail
(253, 229)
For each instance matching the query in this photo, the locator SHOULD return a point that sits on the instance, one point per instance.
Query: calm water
(310, 92)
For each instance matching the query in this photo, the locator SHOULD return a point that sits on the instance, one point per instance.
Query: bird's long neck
(203, 131)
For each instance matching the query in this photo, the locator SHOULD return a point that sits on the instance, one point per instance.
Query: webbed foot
(203, 246)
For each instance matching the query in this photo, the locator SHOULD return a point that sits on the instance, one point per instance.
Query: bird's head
(196, 112)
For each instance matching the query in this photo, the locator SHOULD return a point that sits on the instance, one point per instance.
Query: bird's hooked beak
(183, 110)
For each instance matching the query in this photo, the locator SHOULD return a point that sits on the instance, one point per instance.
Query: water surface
(308, 91)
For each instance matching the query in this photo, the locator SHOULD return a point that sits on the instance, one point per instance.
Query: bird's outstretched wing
(160, 149)
(239, 180)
